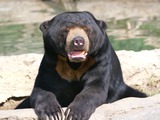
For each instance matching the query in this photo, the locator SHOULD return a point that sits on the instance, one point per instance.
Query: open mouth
(77, 55)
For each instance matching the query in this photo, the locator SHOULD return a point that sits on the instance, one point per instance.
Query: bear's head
(74, 35)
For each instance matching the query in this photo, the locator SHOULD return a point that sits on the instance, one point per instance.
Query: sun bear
(79, 70)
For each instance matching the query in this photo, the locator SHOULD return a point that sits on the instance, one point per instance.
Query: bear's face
(74, 35)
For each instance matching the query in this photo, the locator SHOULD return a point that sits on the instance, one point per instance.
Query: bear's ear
(44, 26)
(102, 24)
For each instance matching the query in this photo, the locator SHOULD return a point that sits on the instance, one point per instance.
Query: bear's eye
(63, 33)
(66, 30)
(87, 30)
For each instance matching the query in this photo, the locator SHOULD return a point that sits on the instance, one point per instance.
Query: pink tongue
(77, 54)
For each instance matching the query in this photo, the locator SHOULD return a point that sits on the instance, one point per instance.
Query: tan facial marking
(77, 31)
(67, 73)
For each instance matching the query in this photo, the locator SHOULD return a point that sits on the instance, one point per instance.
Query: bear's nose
(78, 42)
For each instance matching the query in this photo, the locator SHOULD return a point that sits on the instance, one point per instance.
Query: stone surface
(125, 109)
(17, 74)
(17, 11)
(141, 69)
(130, 109)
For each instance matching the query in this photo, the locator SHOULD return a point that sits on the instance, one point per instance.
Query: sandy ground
(17, 74)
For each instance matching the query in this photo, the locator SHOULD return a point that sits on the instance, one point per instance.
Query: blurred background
(132, 24)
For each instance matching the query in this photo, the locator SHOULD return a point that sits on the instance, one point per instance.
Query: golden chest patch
(67, 73)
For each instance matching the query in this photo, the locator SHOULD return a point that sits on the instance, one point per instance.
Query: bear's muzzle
(77, 44)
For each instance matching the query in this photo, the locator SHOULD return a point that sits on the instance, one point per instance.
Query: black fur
(101, 83)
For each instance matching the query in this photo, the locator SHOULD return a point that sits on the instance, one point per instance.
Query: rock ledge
(125, 109)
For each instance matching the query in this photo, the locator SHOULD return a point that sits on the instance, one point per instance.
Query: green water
(19, 39)
(136, 44)
(134, 34)
(27, 38)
